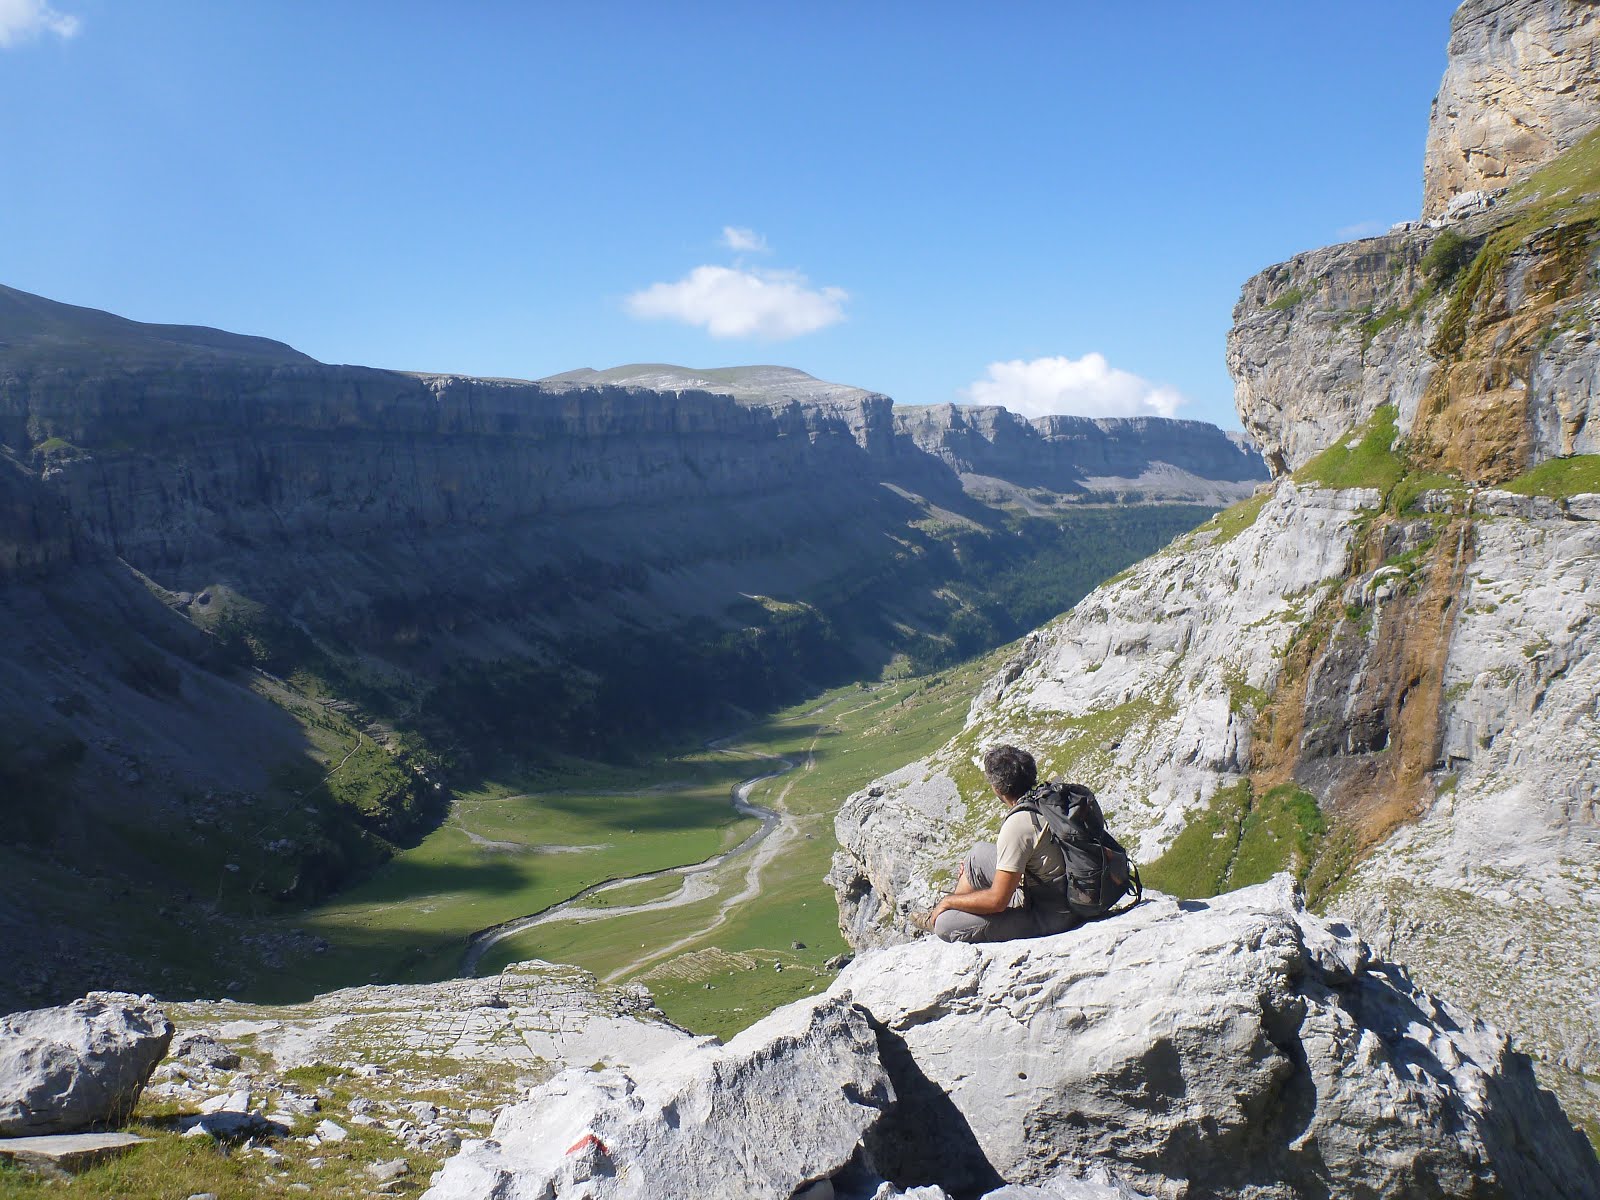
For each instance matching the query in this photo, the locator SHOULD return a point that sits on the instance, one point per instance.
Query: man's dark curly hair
(1010, 771)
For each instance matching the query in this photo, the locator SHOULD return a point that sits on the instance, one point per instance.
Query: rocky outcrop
(782, 1106)
(1476, 327)
(1237, 1048)
(1521, 86)
(1479, 335)
(1309, 363)
(84, 1064)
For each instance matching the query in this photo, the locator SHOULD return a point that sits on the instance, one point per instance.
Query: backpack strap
(1137, 886)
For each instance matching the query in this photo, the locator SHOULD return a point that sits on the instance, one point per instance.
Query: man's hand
(992, 899)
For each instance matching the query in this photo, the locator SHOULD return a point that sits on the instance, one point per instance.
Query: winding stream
(697, 884)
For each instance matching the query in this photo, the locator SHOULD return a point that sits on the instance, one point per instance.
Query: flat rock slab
(67, 1153)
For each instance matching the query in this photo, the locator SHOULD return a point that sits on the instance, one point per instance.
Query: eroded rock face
(1000, 455)
(1521, 86)
(1498, 895)
(85, 1063)
(1305, 372)
(783, 1105)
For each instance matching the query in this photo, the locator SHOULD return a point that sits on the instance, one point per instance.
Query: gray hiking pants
(1004, 926)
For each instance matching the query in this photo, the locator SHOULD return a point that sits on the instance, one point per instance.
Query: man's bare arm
(992, 899)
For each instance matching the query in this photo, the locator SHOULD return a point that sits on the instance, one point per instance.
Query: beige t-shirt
(1026, 847)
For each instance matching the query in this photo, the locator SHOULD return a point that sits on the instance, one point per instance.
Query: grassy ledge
(1559, 478)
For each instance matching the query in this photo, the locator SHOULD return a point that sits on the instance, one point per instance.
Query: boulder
(1237, 1047)
(783, 1105)
(204, 1050)
(68, 1068)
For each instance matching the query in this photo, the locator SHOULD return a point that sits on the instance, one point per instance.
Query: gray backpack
(1099, 871)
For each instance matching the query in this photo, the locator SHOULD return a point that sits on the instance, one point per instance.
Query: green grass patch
(1560, 477)
(1236, 518)
(1281, 833)
(1366, 458)
(642, 892)
(724, 1001)
(1405, 494)
(1242, 697)
(170, 1165)
(1377, 322)
(1287, 300)
(506, 853)
(1240, 839)
(55, 447)
(844, 739)
(1195, 865)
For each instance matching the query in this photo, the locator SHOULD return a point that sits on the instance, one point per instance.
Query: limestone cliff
(1381, 675)
(999, 454)
(1520, 88)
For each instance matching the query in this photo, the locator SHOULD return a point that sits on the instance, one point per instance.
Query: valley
(612, 861)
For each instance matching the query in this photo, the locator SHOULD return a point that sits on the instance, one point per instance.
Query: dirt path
(697, 883)
(783, 833)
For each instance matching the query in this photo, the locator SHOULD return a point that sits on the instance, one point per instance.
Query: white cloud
(730, 302)
(21, 20)
(1085, 387)
(743, 241)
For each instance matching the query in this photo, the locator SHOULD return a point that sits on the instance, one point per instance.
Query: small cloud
(23, 20)
(1084, 387)
(743, 241)
(1362, 229)
(731, 302)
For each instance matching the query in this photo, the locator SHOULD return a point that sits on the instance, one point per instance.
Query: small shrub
(1287, 300)
(1446, 256)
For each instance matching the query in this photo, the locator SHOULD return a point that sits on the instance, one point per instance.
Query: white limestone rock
(783, 1105)
(85, 1063)
(1201, 1049)
(1145, 692)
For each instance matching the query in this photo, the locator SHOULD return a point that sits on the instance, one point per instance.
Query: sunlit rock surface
(1520, 87)
(1235, 1048)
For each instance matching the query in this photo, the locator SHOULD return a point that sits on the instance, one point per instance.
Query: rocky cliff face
(994, 451)
(1379, 675)
(1479, 333)
(1520, 88)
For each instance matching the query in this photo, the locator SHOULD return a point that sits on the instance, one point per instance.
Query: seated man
(981, 909)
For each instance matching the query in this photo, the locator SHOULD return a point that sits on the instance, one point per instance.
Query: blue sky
(1051, 203)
